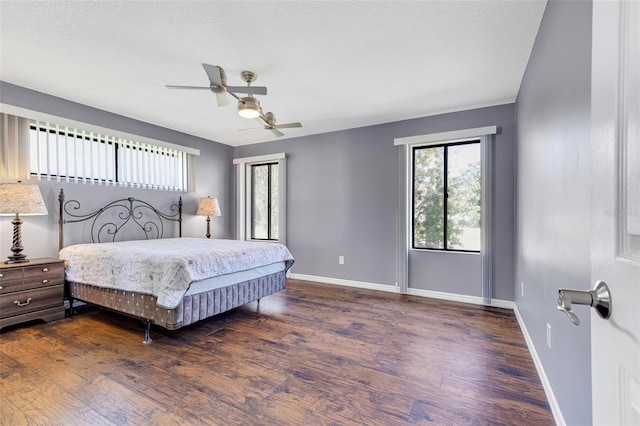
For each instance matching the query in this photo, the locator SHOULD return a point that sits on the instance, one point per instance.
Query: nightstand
(31, 290)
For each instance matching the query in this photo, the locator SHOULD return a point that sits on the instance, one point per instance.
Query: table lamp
(208, 207)
(20, 199)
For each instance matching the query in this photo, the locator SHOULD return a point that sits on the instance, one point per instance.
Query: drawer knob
(45, 269)
(1, 275)
(45, 281)
(1, 287)
(22, 304)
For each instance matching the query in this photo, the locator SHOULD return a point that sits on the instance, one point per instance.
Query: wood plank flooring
(311, 354)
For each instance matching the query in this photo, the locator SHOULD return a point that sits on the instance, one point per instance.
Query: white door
(615, 210)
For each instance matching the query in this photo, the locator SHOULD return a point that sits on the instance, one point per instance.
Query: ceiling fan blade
(252, 128)
(288, 125)
(254, 90)
(214, 74)
(221, 98)
(168, 86)
(277, 132)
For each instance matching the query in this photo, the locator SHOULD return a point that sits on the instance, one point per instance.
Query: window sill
(421, 250)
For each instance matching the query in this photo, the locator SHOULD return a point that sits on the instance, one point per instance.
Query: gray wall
(213, 177)
(553, 210)
(342, 190)
(459, 273)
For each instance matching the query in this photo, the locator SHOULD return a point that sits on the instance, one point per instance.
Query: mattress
(234, 278)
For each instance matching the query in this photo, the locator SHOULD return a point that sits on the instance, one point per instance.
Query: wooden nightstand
(31, 290)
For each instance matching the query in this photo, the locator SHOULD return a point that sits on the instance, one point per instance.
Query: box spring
(193, 308)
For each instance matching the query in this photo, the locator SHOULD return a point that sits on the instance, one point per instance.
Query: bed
(170, 282)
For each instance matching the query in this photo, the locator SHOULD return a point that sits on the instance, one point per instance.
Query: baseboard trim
(553, 403)
(412, 291)
(346, 283)
(475, 300)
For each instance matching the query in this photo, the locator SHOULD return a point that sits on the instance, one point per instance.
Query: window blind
(76, 155)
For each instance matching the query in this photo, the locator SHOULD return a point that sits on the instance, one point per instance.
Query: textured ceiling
(331, 65)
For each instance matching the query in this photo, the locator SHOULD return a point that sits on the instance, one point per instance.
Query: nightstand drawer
(43, 275)
(40, 270)
(11, 286)
(22, 302)
(9, 275)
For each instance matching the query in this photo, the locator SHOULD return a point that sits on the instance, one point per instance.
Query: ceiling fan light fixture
(248, 107)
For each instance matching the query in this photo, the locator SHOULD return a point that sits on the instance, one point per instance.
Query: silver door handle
(598, 298)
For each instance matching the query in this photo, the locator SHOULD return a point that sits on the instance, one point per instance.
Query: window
(65, 154)
(264, 201)
(447, 197)
(261, 198)
(81, 156)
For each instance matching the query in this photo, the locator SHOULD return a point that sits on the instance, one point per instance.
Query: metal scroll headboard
(111, 218)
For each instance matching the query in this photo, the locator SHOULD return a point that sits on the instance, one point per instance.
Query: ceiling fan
(248, 106)
(269, 121)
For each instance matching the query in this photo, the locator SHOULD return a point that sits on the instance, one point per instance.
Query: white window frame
(485, 134)
(243, 195)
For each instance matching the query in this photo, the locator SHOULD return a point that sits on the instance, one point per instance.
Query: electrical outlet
(340, 260)
(549, 335)
(521, 288)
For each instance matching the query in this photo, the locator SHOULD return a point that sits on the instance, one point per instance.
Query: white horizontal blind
(70, 154)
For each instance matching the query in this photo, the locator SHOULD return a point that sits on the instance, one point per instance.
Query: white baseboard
(412, 291)
(346, 283)
(498, 303)
(553, 403)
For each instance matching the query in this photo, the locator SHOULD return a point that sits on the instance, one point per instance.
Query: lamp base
(17, 259)
(17, 256)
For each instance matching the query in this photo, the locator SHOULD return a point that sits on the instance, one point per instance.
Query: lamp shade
(23, 199)
(208, 207)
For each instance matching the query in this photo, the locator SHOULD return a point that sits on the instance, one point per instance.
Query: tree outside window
(446, 197)
(264, 201)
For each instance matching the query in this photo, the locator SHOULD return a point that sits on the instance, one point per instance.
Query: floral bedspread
(165, 268)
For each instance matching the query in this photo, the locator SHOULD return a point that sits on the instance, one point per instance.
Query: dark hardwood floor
(311, 354)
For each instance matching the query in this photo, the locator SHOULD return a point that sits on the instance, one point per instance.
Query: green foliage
(463, 200)
(428, 198)
(264, 181)
(464, 203)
